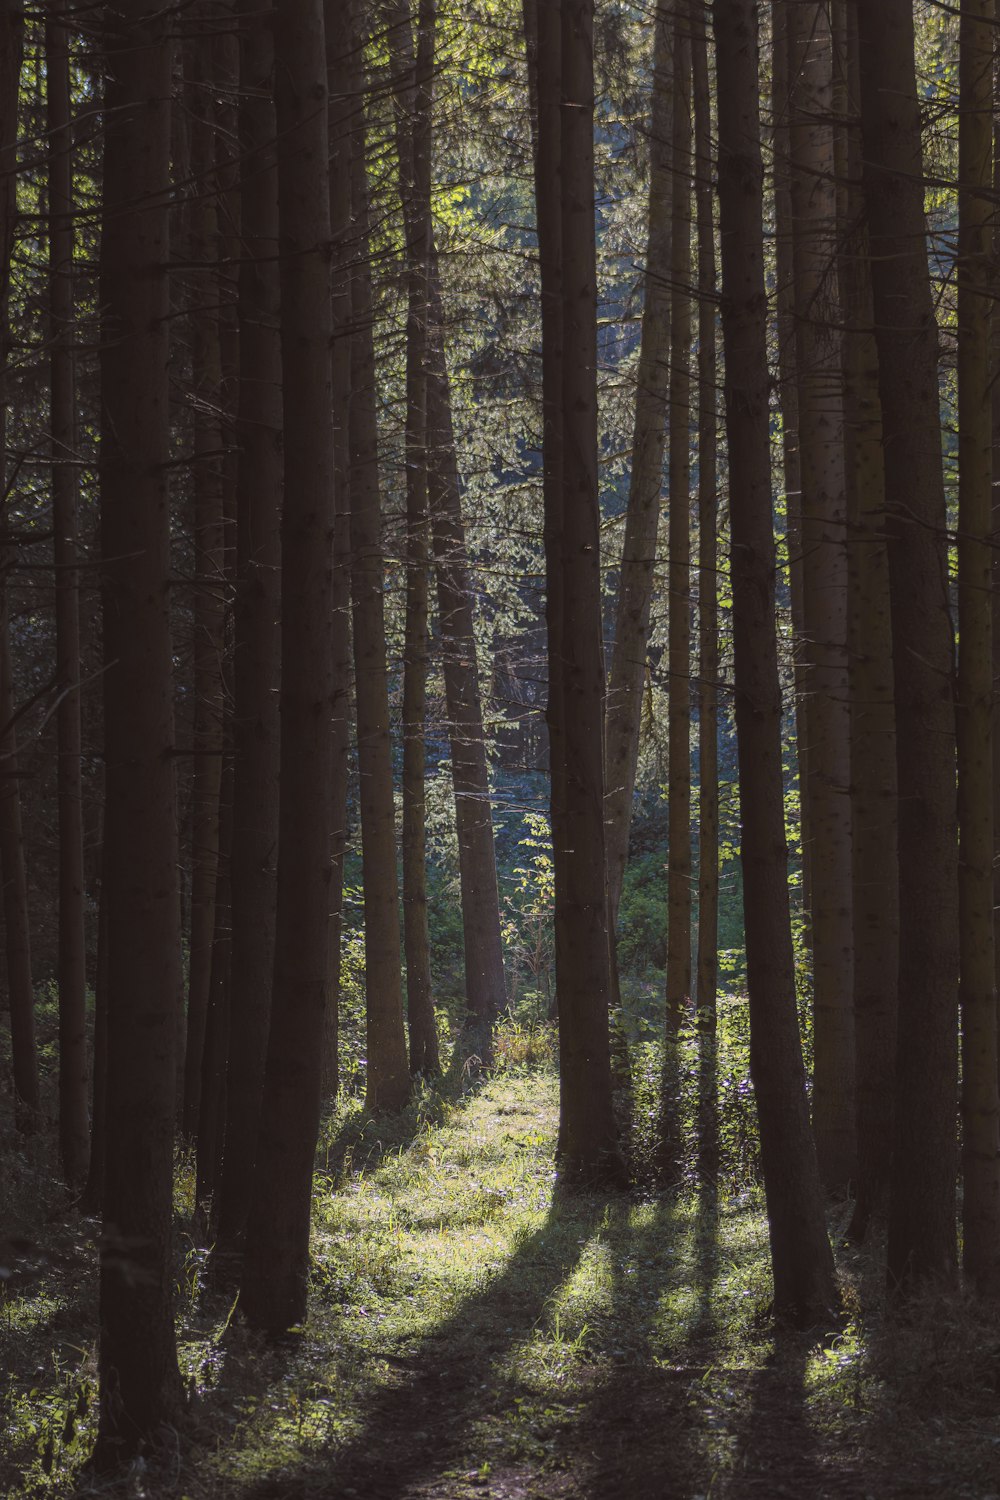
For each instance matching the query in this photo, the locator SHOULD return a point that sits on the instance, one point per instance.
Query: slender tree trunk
(74, 1126)
(140, 1386)
(802, 1263)
(256, 647)
(678, 976)
(635, 590)
(922, 1193)
(92, 1196)
(413, 143)
(484, 973)
(209, 601)
(824, 538)
(542, 25)
(789, 404)
(388, 1075)
(679, 548)
(980, 1104)
(276, 1262)
(17, 935)
(20, 994)
(588, 1133)
(875, 874)
(342, 107)
(214, 1058)
(708, 618)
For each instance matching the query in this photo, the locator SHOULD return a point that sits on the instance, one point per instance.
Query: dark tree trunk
(588, 1138)
(922, 1238)
(256, 646)
(543, 38)
(342, 106)
(980, 1105)
(276, 1262)
(209, 601)
(74, 1142)
(875, 903)
(635, 590)
(802, 1263)
(388, 1073)
(708, 620)
(140, 1386)
(412, 80)
(484, 974)
(823, 649)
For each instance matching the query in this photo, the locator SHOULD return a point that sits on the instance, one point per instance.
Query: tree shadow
(641, 1425)
(427, 1404)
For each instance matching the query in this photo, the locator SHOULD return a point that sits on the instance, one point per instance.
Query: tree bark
(412, 81)
(824, 548)
(708, 618)
(140, 1386)
(342, 106)
(802, 1263)
(257, 640)
(484, 973)
(20, 994)
(875, 874)
(276, 1263)
(74, 1126)
(977, 994)
(635, 589)
(679, 549)
(588, 1142)
(209, 599)
(922, 1239)
(388, 1074)
(788, 400)
(542, 23)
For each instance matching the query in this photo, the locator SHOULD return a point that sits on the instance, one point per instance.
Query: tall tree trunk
(802, 1263)
(257, 644)
(824, 539)
(342, 106)
(708, 618)
(20, 994)
(679, 548)
(388, 1075)
(412, 80)
(678, 976)
(789, 404)
(875, 874)
(74, 1126)
(980, 1104)
(209, 602)
(140, 1386)
(635, 590)
(587, 1128)
(484, 973)
(922, 1193)
(543, 42)
(276, 1262)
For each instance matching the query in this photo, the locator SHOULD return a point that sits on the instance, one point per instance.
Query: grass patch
(475, 1330)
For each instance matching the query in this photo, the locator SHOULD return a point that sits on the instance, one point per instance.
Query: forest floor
(475, 1332)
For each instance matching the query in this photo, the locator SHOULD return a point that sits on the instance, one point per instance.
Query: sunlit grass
(469, 1319)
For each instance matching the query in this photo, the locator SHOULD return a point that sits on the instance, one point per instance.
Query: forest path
(477, 1333)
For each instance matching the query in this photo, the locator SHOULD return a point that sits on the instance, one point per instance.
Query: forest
(499, 634)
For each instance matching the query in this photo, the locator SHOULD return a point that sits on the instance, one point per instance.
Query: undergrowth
(476, 1330)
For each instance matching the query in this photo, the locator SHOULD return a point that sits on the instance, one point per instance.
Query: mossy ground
(475, 1331)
